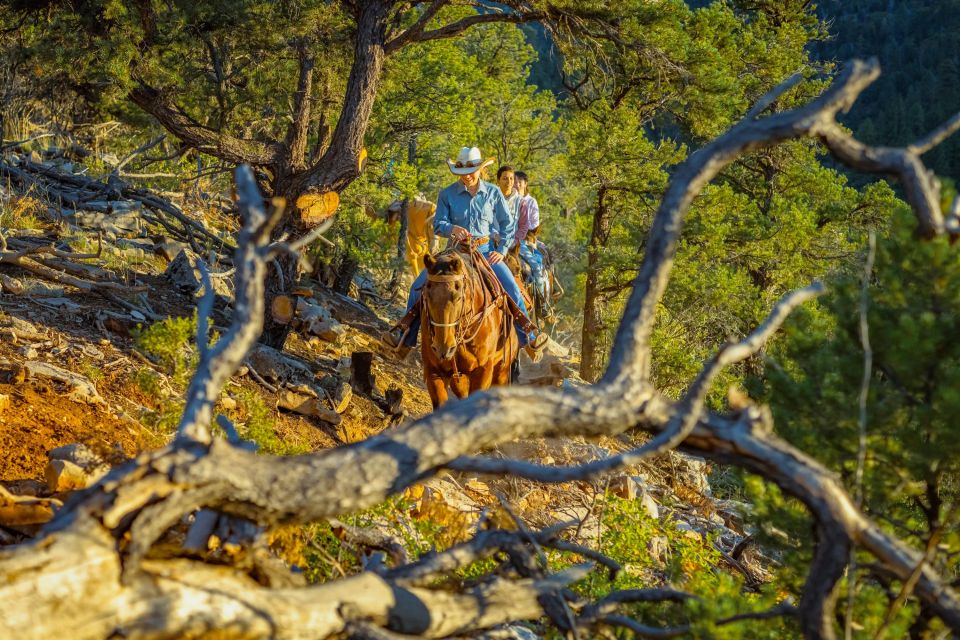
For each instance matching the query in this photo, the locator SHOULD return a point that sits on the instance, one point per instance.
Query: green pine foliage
(911, 477)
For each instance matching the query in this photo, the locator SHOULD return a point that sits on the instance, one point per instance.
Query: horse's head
(445, 296)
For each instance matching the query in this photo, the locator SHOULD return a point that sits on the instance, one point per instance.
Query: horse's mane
(448, 259)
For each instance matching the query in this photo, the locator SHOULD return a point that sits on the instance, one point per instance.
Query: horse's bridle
(444, 278)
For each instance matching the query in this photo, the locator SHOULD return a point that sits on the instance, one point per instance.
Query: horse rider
(506, 180)
(472, 210)
(420, 238)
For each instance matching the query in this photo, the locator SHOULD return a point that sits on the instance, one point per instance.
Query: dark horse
(467, 331)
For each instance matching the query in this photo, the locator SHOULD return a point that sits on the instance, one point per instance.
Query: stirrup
(391, 341)
(534, 348)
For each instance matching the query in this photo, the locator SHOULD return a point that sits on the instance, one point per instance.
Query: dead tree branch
(104, 534)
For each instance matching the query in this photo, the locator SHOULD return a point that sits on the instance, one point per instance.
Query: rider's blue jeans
(504, 275)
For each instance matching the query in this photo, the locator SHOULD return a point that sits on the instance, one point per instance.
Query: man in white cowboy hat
(475, 210)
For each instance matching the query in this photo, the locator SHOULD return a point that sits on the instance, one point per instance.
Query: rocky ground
(73, 399)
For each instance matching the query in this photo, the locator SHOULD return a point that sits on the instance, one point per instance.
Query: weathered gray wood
(87, 573)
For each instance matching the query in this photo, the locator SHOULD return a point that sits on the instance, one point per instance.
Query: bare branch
(862, 418)
(685, 419)
(175, 120)
(204, 310)
(936, 136)
(218, 363)
(630, 357)
(133, 154)
(770, 97)
(417, 34)
(414, 31)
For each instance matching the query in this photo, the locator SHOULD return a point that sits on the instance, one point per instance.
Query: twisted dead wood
(113, 525)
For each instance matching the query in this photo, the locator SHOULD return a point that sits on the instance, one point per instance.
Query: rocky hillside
(96, 349)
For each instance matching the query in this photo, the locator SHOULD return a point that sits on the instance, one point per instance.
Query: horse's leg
(437, 390)
(482, 377)
(461, 386)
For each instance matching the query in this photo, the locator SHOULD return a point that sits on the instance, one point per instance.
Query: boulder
(183, 274)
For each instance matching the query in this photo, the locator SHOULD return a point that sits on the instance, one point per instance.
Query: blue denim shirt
(485, 214)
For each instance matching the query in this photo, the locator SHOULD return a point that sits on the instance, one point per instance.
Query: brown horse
(467, 331)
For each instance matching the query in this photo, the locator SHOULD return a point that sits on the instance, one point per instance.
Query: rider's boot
(393, 340)
(534, 347)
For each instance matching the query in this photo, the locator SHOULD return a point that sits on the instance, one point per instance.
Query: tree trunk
(338, 166)
(592, 353)
(282, 275)
(345, 273)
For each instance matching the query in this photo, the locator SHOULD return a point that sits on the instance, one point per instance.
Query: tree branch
(226, 147)
(416, 32)
(299, 128)
(686, 415)
(220, 362)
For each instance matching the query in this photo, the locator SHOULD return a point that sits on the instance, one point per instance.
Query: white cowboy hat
(468, 161)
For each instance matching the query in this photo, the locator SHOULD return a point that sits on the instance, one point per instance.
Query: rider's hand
(493, 257)
(459, 234)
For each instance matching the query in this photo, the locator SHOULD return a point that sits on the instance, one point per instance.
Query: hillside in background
(916, 43)
(919, 52)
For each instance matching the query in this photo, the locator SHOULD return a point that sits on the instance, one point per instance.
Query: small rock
(82, 456)
(4, 401)
(228, 403)
(168, 249)
(688, 530)
(11, 285)
(650, 506)
(623, 487)
(29, 352)
(181, 273)
(63, 475)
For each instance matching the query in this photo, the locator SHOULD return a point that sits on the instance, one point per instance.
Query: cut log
(314, 208)
(18, 511)
(282, 309)
(394, 398)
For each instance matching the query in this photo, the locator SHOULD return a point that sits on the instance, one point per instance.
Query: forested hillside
(735, 414)
(917, 45)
